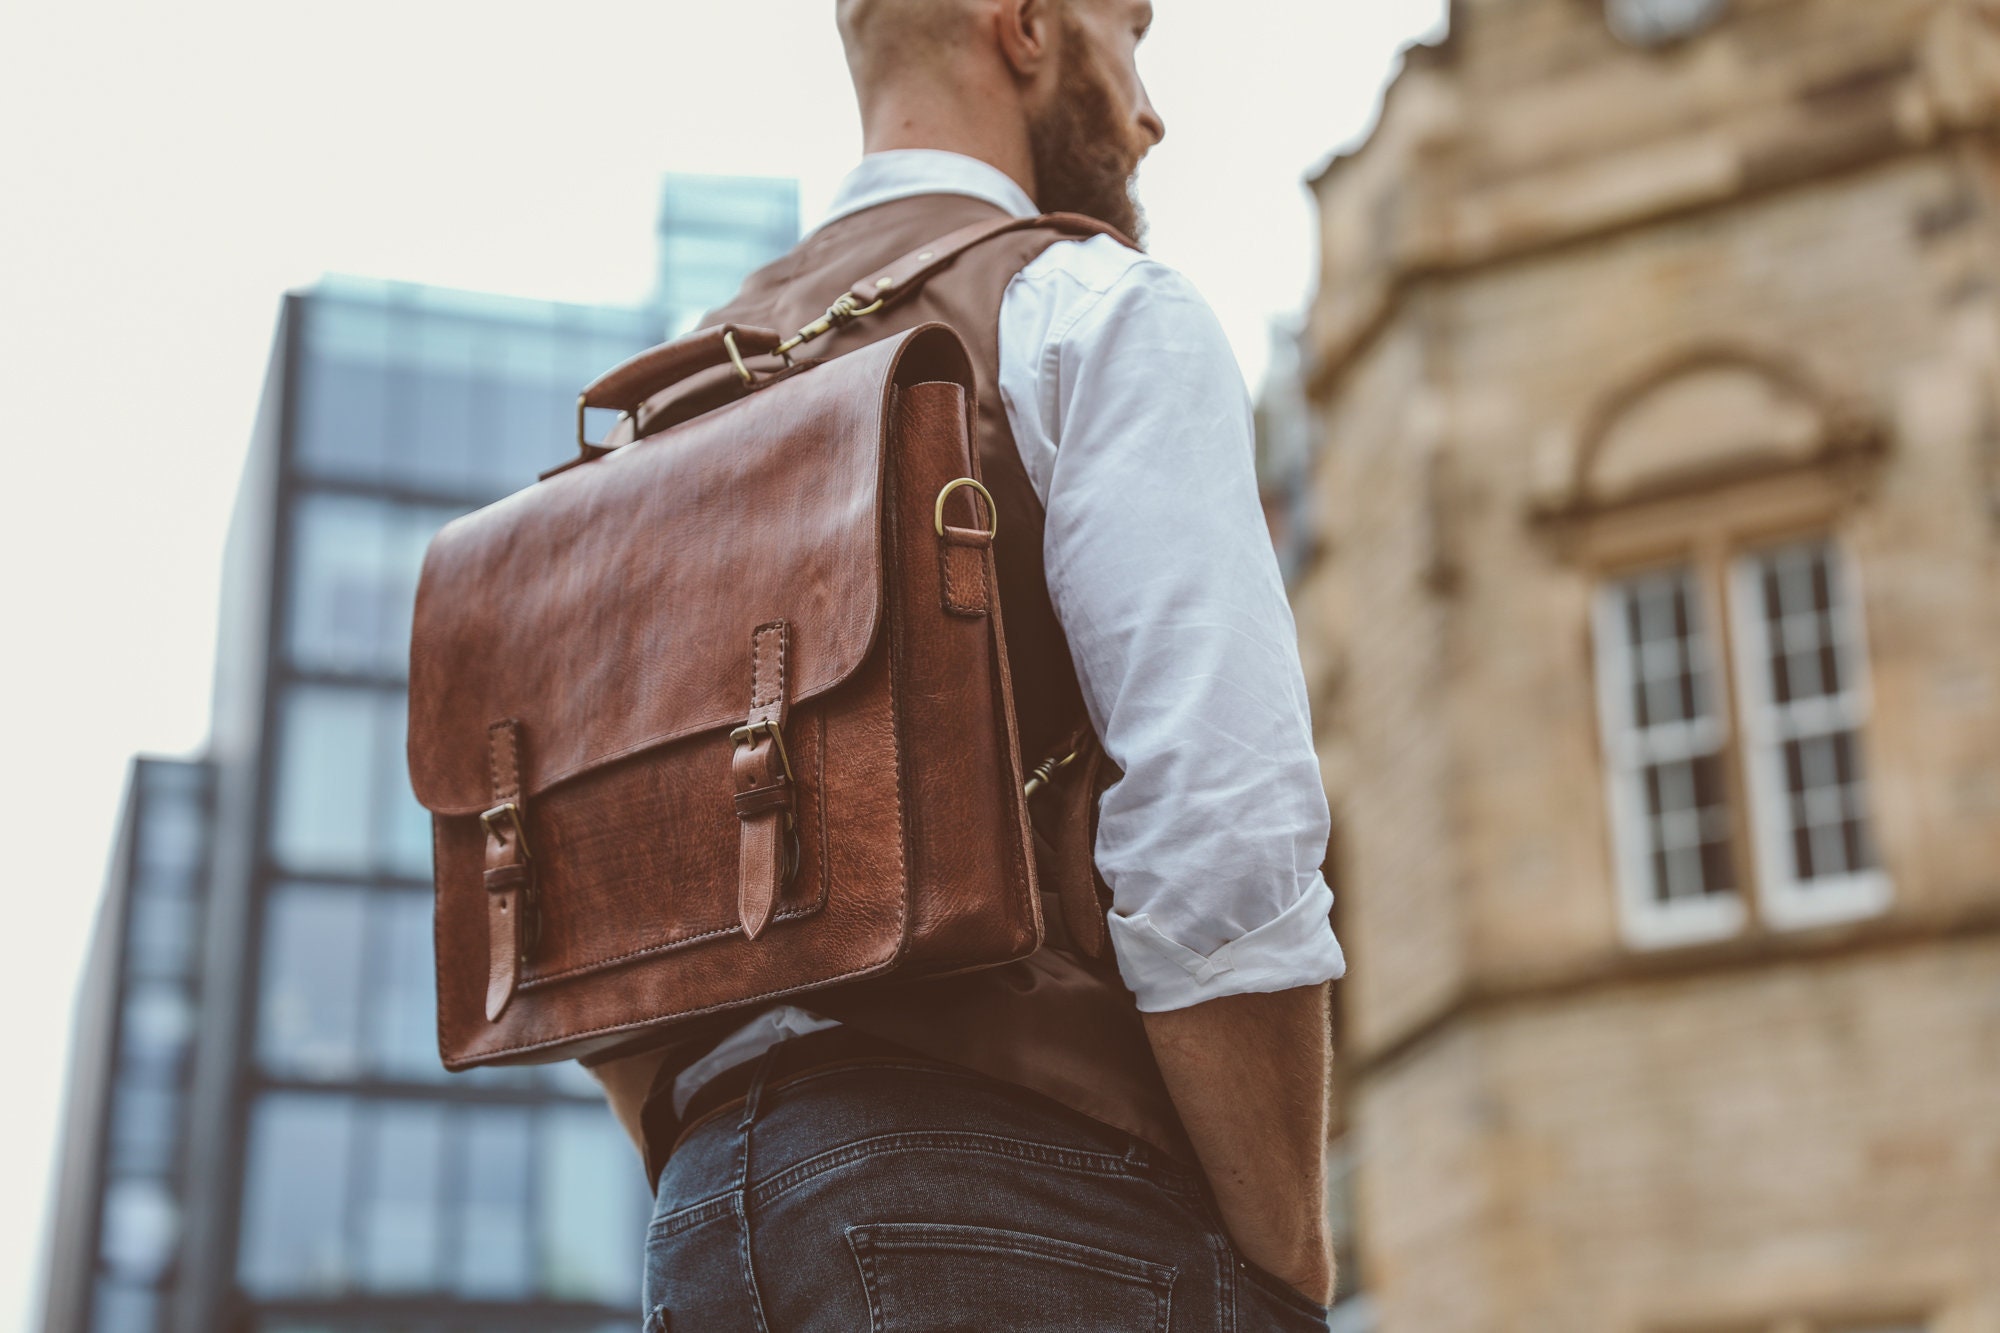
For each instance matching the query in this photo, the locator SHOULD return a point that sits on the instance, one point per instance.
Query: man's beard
(1085, 155)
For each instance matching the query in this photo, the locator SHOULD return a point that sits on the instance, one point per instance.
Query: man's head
(1048, 90)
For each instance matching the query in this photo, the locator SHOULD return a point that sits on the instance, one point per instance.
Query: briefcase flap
(611, 608)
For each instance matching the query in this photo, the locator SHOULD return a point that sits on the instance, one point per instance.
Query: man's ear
(1027, 33)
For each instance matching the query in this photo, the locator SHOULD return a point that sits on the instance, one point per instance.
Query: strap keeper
(763, 800)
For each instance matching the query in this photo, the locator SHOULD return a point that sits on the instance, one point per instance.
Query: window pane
(145, 1127)
(158, 1031)
(119, 1308)
(592, 1222)
(1813, 787)
(1669, 738)
(141, 1227)
(296, 1196)
(403, 827)
(402, 1009)
(161, 940)
(308, 1020)
(339, 583)
(326, 761)
(343, 415)
(398, 1219)
(491, 1204)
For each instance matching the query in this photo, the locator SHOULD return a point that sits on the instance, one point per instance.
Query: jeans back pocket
(932, 1278)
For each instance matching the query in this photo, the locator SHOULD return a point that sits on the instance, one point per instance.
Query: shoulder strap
(632, 382)
(893, 281)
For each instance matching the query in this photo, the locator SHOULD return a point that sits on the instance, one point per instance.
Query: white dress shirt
(1132, 420)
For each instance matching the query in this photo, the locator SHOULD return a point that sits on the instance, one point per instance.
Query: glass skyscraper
(310, 1166)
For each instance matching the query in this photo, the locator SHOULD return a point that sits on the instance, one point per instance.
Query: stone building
(1654, 630)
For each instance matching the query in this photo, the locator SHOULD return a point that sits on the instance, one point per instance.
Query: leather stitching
(791, 913)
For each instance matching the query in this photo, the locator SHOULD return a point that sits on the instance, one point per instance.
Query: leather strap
(764, 788)
(1072, 840)
(901, 277)
(962, 570)
(510, 873)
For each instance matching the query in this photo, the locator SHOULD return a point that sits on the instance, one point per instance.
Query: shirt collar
(904, 172)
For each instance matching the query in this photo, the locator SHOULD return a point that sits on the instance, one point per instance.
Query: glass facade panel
(490, 1209)
(343, 801)
(163, 936)
(587, 1247)
(141, 1226)
(401, 1022)
(145, 1127)
(296, 1208)
(314, 973)
(398, 1227)
(343, 416)
(326, 770)
(120, 1308)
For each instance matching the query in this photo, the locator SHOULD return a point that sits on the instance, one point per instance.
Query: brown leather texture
(770, 569)
(1059, 1022)
(637, 378)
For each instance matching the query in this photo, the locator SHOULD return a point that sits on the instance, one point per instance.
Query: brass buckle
(992, 510)
(510, 811)
(584, 446)
(1045, 770)
(736, 357)
(843, 311)
(747, 735)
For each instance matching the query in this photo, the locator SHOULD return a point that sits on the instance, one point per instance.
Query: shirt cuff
(1297, 948)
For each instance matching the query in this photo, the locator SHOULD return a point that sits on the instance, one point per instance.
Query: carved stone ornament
(1660, 22)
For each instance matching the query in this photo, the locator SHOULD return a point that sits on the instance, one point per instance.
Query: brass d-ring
(735, 357)
(993, 510)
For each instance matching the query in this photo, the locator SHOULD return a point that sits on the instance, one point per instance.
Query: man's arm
(1249, 1075)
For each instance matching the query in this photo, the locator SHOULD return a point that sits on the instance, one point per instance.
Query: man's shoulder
(1100, 274)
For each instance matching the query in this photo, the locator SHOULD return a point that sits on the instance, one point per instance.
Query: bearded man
(1132, 1141)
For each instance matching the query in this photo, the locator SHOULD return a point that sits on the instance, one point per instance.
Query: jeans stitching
(865, 1242)
(992, 1145)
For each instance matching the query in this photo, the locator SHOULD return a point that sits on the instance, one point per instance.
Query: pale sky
(170, 169)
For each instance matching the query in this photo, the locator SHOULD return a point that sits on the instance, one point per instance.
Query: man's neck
(948, 126)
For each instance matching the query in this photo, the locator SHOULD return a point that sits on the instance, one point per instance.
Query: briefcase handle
(632, 381)
(628, 385)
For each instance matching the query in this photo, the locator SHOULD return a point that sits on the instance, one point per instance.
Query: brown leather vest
(1059, 1023)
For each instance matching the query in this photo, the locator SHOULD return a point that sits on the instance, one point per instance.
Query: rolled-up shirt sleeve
(1133, 420)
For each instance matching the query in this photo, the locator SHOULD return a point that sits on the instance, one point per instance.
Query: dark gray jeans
(911, 1197)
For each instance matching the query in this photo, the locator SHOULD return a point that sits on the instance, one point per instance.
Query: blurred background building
(1653, 633)
(260, 1136)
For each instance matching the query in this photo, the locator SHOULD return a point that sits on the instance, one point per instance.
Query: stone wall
(1587, 309)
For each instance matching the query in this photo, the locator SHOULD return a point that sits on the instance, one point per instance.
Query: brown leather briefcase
(724, 715)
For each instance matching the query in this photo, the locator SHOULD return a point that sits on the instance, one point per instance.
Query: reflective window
(161, 937)
(491, 1213)
(343, 801)
(399, 1243)
(587, 1165)
(342, 425)
(354, 582)
(118, 1308)
(402, 1014)
(309, 1018)
(145, 1127)
(1666, 739)
(1805, 707)
(158, 1031)
(296, 1195)
(141, 1227)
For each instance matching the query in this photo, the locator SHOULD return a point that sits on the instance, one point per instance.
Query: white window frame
(1784, 901)
(1648, 922)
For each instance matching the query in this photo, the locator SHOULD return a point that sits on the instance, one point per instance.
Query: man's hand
(1249, 1075)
